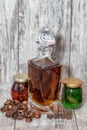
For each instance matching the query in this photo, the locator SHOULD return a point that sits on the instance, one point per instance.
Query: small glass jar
(72, 93)
(19, 90)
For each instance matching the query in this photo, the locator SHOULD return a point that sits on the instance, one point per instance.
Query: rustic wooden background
(20, 21)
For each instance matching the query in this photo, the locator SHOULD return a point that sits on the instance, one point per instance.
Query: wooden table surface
(78, 122)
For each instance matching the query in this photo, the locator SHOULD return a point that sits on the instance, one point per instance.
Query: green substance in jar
(72, 97)
(72, 100)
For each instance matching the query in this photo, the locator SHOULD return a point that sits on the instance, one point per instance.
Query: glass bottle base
(39, 107)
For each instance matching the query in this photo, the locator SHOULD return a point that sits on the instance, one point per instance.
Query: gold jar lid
(72, 82)
(21, 78)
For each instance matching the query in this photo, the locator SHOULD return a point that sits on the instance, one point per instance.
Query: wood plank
(33, 15)
(45, 124)
(5, 123)
(36, 124)
(81, 114)
(8, 39)
(78, 62)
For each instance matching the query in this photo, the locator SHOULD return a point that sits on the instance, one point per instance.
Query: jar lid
(20, 78)
(72, 82)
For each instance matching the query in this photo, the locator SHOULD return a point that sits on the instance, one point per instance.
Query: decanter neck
(45, 52)
(45, 42)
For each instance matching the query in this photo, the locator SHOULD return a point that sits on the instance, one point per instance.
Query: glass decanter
(44, 72)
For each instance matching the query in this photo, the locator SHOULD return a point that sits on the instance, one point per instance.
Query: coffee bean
(3, 109)
(54, 108)
(28, 113)
(56, 116)
(20, 113)
(29, 119)
(49, 115)
(69, 111)
(68, 117)
(61, 109)
(14, 115)
(37, 114)
(25, 103)
(8, 102)
(9, 114)
(16, 103)
(68, 114)
(63, 116)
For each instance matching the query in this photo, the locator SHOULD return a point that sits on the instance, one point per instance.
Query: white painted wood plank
(81, 114)
(78, 62)
(38, 124)
(5, 123)
(8, 39)
(33, 15)
(45, 124)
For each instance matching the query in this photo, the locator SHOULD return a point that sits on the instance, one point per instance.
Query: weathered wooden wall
(8, 39)
(78, 51)
(20, 21)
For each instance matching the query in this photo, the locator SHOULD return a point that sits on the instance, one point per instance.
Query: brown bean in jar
(19, 90)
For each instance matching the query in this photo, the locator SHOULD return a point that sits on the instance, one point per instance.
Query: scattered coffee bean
(68, 111)
(62, 116)
(16, 103)
(56, 116)
(25, 103)
(61, 109)
(61, 112)
(9, 114)
(37, 114)
(68, 114)
(49, 115)
(20, 113)
(29, 119)
(68, 117)
(28, 113)
(14, 115)
(16, 110)
(3, 109)
(54, 108)
(8, 102)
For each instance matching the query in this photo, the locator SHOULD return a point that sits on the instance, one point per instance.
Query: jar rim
(20, 77)
(72, 82)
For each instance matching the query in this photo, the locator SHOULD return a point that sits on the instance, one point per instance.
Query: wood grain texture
(8, 39)
(43, 123)
(20, 21)
(5, 123)
(78, 51)
(33, 15)
(37, 124)
(81, 114)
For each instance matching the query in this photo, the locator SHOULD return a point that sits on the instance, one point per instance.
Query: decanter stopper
(45, 38)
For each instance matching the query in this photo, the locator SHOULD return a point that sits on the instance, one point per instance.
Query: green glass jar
(72, 93)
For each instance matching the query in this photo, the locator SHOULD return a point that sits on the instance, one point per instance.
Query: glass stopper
(45, 38)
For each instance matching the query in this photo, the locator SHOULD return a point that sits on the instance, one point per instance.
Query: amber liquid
(19, 91)
(45, 82)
